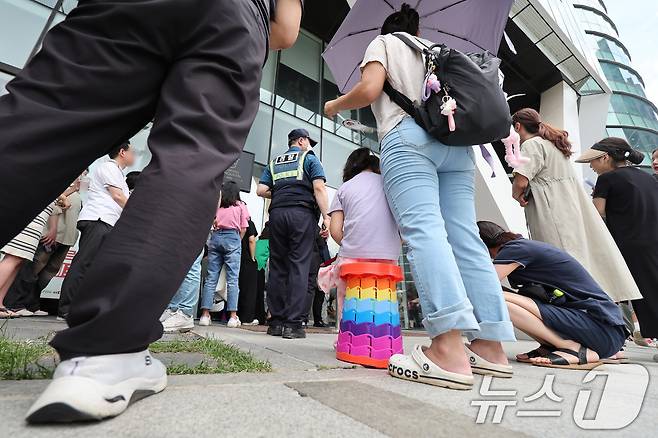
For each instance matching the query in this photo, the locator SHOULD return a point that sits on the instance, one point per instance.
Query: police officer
(295, 182)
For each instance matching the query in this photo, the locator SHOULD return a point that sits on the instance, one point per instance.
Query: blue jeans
(187, 296)
(430, 189)
(224, 248)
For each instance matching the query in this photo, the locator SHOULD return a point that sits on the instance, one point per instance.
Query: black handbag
(482, 115)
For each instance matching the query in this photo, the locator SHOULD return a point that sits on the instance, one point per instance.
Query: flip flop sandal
(560, 362)
(416, 367)
(542, 351)
(6, 313)
(484, 367)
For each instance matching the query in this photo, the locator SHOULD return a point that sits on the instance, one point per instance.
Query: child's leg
(9, 267)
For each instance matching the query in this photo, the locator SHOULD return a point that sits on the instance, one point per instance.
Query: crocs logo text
(402, 372)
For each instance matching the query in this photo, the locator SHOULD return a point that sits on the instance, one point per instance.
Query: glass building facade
(296, 83)
(631, 114)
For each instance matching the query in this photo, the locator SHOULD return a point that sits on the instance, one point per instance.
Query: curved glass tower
(631, 115)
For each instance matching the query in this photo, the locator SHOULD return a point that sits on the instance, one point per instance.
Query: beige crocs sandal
(484, 367)
(416, 367)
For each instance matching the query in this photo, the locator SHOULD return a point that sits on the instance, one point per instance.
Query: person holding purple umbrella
(430, 189)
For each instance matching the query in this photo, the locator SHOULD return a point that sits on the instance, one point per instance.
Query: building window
(283, 124)
(596, 21)
(631, 111)
(621, 79)
(21, 23)
(4, 79)
(268, 78)
(338, 149)
(609, 50)
(298, 80)
(258, 141)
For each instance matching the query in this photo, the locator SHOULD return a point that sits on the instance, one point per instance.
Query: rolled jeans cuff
(492, 331)
(457, 317)
(187, 311)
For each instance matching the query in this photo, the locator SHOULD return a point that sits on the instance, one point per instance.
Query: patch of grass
(19, 360)
(34, 359)
(225, 358)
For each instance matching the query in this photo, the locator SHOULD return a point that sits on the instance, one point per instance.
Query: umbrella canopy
(465, 25)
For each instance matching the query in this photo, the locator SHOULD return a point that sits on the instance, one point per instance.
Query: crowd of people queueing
(564, 284)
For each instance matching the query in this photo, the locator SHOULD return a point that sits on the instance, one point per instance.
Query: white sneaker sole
(183, 329)
(74, 398)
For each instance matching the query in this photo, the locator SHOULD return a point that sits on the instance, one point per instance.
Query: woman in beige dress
(558, 210)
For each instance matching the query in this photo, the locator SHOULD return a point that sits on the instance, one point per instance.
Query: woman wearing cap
(627, 198)
(654, 163)
(559, 304)
(559, 211)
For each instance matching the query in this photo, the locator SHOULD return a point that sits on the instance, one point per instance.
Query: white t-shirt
(100, 204)
(405, 70)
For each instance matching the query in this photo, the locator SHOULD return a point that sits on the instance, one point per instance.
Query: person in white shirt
(107, 196)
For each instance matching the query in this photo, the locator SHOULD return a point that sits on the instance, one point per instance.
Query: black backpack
(482, 115)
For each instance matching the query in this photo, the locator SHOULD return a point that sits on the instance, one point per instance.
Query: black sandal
(541, 351)
(560, 362)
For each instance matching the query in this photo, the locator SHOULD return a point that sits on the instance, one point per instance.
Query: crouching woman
(559, 304)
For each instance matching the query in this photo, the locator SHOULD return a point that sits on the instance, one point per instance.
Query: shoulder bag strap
(413, 43)
(399, 99)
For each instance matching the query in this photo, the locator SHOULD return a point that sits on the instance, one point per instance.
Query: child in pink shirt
(225, 248)
(361, 221)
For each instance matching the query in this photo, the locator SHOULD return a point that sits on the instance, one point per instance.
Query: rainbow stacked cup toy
(370, 327)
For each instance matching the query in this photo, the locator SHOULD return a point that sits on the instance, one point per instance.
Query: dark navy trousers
(292, 238)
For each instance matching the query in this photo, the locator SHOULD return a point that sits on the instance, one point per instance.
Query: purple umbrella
(466, 25)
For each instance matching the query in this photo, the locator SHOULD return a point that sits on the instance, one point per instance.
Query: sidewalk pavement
(312, 394)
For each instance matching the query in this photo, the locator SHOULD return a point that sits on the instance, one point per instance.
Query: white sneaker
(204, 321)
(166, 315)
(234, 323)
(24, 313)
(40, 313)
(178, 322)
(59, 318)
(97, 387)
(254, 322)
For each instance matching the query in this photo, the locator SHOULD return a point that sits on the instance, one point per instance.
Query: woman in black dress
(627, 198)
(248, 280)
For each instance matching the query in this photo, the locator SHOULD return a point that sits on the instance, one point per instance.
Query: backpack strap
(398, 98)
(411, 43)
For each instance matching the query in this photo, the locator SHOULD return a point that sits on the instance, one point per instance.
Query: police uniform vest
(292, 186)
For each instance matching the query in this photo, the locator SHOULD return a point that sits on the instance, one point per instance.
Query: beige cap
(590, 155)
